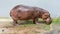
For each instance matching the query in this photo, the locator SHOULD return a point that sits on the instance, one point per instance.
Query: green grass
(56, 20)
(29, 24)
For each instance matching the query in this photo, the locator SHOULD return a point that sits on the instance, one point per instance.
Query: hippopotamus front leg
(35, 21)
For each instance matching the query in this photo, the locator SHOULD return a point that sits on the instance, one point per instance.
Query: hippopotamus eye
(45, 18)
(46, 15)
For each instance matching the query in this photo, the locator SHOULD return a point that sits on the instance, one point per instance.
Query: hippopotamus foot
(35, 21)
(15, 24)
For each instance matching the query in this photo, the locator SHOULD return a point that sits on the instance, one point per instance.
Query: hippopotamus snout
(48, 21)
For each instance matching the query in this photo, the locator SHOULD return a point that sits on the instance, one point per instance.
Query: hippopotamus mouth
(48, 21)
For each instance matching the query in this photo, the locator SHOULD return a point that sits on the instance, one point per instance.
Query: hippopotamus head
(46, 17)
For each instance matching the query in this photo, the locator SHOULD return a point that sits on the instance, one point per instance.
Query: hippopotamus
(23, 12)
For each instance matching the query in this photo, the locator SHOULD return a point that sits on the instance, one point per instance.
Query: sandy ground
(6, 27)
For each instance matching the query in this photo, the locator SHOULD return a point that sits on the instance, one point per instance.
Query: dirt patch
(27, 30)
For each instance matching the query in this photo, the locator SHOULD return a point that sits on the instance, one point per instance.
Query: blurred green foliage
(56, 20)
